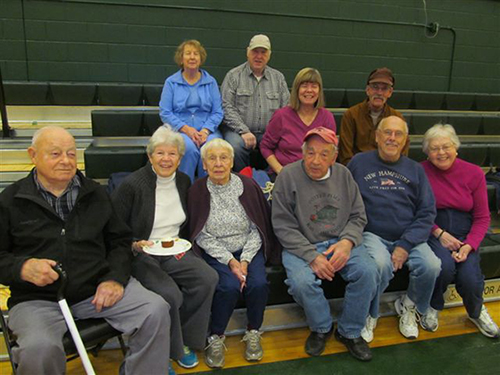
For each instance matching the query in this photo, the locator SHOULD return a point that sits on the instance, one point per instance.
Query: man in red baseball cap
(318, 216)
(360, 121)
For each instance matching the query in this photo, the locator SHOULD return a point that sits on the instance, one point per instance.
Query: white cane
(70, 322)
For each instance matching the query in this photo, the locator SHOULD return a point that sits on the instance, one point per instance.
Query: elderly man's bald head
(391, 138)
(53, 152)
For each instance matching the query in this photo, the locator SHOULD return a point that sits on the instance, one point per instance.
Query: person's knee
(42, 347)
(229, 288)
(156, 309)
(173, 296)
(298, 285)
(208, 280)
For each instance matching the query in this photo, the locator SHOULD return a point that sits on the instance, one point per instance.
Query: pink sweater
(463, 188)
(285, 132)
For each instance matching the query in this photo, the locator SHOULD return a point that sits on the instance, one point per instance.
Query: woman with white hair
(153, 202)
(230, 225)
(461, 223)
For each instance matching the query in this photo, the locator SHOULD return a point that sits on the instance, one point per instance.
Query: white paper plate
(180, 245)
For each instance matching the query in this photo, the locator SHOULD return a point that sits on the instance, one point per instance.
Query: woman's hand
(138, 246)
(448, 241)
(462, 253)
(274, 164)
(193, 134)
(239, 271)
(204, 133)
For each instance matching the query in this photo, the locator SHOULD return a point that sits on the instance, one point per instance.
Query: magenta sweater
(463, 188)
(285, 132)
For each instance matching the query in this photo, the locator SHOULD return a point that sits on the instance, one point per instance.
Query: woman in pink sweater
(461, 223)
(282, 141)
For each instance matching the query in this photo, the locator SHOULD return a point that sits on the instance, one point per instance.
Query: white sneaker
(253, 351)
(367, 331)
(485, 324)
(429, 321)
(407, 312)
(215, 351)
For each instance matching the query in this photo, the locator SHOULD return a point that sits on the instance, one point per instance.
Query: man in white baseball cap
(251, 93)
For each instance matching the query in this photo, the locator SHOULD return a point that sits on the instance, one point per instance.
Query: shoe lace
(409, 315)
(216, 345)
(253, 338)
(370, 323)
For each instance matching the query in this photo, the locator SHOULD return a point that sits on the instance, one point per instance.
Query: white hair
(164, 135)
(216, 143)
(438, 131)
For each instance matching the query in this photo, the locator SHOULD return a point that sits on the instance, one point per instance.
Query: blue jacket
(173, 100)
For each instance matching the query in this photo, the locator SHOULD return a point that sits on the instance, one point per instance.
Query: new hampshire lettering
(395, 175)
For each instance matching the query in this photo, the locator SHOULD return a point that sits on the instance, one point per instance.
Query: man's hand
(250, 140)
(239, 271)
(39, 271)
(322, 268)
(108, 293)
(341, 253)
(399, 257)
(462, 253)
(138, 246)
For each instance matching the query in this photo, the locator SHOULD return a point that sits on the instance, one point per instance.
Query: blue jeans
(424, 269)
(305, 287)
(228, 292)
(469, 279)
(191, 161)
(241, 153)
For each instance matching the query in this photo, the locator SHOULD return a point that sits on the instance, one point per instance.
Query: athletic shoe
(253, 351)
(407, 312)
(189, 359)
(429, 321)
(215, 351)
(367, 331)
(485, 324)
(171, 370)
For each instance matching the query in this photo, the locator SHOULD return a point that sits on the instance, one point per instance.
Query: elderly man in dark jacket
(56, 215)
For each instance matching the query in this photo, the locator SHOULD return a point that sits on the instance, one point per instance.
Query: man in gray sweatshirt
(318, 216)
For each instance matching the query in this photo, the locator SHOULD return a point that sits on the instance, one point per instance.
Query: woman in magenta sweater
(461, 223)
(282, 141)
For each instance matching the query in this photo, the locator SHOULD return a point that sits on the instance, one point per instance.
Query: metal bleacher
(112, 124)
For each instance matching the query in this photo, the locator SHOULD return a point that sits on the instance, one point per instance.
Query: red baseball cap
(328, 135)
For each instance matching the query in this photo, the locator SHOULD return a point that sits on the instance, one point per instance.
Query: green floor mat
(466, 354)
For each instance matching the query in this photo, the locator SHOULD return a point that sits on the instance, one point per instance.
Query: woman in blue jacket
(191, 104)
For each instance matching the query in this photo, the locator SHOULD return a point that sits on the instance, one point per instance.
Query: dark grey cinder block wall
(134, 40)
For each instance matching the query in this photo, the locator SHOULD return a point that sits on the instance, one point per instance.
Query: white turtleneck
(169, 214)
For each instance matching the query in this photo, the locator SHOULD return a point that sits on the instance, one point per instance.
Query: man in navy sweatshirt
(400, 208)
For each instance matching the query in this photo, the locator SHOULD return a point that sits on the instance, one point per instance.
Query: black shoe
(315, 343)
(358, 347)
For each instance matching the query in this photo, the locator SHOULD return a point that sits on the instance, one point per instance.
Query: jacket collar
(204, 79)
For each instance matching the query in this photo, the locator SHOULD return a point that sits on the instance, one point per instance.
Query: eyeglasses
(380, 87)
(222, 158)
(445, 148)
(397, 133)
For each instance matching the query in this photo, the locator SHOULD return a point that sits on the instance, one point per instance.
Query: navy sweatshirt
(398, 198)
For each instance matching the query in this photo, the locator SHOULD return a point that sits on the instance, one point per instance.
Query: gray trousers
(188, 285)
(39, 327)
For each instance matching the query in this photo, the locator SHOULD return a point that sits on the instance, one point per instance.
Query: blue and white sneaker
(189, 360)
(171, 370)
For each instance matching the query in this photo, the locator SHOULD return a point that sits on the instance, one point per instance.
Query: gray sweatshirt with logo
(307, 211)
